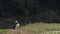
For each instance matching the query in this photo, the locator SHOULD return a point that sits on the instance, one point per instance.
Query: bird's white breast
(17, 24)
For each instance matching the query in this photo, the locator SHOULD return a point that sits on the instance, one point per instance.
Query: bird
(17, 25)
(17, 28)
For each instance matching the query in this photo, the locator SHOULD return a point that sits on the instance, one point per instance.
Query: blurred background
(29, 11)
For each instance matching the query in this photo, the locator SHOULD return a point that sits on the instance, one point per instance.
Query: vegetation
(42, 27)
(39, 28)
(3, 31)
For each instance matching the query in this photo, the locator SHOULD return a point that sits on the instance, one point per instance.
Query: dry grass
(37, 28)
(43, 28)
(22, 31)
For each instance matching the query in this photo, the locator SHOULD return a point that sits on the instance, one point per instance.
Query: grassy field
(45, 28)
(3, 31)
(38, 28)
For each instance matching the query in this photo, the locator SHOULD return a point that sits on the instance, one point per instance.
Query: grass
(43, 27)
(40, 28)
(3, 31)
